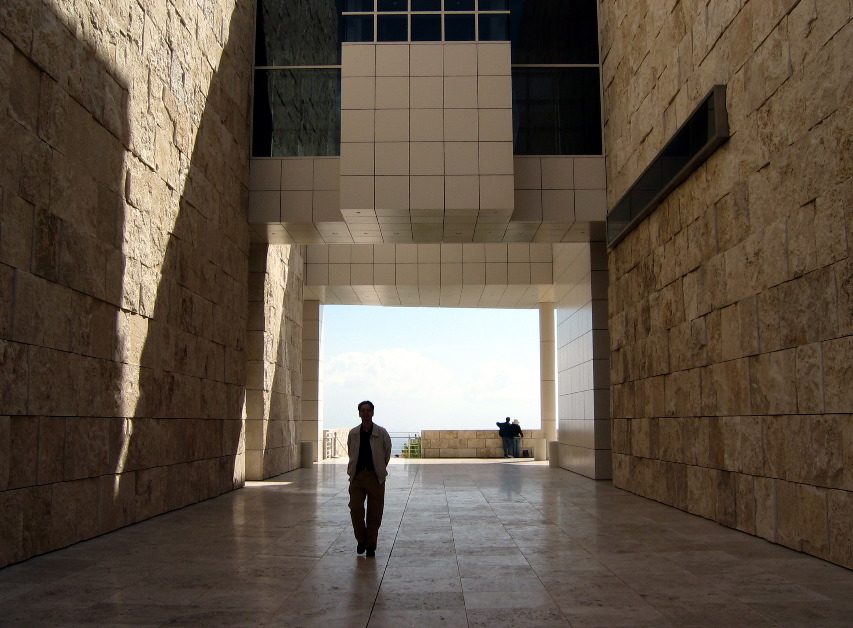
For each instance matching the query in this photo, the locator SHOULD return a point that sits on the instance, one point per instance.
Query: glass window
(426, 5)
(492, 5)
(459, 27)
(358, 28)
(556, 111)
(494, 27)
(358, 5)
(296, 113)
(426, 28)
(393, 5)
(458, 5)
(392, 28)
(554, 32)
(287, 34)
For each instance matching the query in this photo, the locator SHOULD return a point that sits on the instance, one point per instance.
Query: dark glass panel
(426, 5)
(458, 5)
(426, 28)
(554, 31)
(393, 5)
(358, 5)
(296, 113)
(695, 141)
(556, 111)
(492, 5)
(358, 28)
(494, 28)
(392, 28)
(294, 32)
(459, 28)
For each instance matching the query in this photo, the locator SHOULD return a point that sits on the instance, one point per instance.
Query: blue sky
(430, 368)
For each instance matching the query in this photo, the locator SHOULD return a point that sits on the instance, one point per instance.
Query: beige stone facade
(730, 306)
(472, 443)
(124, 255)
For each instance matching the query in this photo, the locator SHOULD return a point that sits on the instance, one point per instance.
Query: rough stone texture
(274, 368)
(737, 289)
(471, 443)
(123, 262)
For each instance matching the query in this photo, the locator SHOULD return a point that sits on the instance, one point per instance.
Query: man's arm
(386, 438)
(352, 445)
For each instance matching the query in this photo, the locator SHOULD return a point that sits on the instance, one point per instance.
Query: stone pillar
(547, 371)
(312, 375)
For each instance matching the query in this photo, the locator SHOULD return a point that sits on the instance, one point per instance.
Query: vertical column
(257, 395)
(600, 361)
(312, 375)
(580, 280)
(547, 372)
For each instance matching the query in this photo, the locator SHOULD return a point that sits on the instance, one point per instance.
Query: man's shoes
(371, 551)
(360, 548)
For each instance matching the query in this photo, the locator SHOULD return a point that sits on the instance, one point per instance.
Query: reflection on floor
(464, 543)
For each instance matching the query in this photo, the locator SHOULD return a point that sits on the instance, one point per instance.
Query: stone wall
(274, 369)
(471, 443)
(731, 307)
(123, 262)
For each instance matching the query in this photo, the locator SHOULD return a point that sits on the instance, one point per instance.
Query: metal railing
(333, 445)
(403, 445)
(406, 445)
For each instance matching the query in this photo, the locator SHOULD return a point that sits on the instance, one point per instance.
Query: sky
(430, 368)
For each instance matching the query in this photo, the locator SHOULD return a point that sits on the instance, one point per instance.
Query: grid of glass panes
(425, 20)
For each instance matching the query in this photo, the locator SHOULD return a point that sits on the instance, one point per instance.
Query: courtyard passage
(464, 543)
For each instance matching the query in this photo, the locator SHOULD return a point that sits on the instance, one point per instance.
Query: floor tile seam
(391, 549)
(550, 596)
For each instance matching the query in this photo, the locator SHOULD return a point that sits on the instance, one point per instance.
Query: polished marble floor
(463, 543)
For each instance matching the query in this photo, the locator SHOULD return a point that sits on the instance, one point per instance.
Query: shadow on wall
(184, 443)
(123, 240)
(61, 263)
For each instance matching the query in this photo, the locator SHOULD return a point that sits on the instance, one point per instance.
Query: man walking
(369, 448)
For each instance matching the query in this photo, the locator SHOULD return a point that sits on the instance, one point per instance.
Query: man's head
(515, 421)
(365, 411)
(507, 419)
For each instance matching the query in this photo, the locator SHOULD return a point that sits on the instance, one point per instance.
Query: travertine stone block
(745, 502)
(839, 515)
(726, 499)
(702, 491)
(72, 505)
(772, 382)
(725, 388)
(809, 378)
(798, 297)
(825, 464)
(838, 373)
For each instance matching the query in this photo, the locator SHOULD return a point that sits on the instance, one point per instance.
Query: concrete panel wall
(731, 307)
(123, 262)
(583, 412)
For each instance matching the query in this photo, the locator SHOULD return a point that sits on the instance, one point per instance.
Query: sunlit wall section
(312, 375)
(123, 262)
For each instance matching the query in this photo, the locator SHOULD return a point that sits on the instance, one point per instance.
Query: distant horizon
(430, 368)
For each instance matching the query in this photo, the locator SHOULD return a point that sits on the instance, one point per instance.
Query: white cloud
(422, 392)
